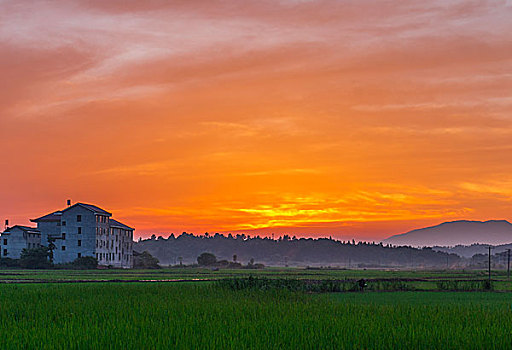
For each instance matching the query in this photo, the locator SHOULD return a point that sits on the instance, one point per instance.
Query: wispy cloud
(202, 115)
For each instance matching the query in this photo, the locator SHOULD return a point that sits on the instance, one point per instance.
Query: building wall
(73, 243)
(48, 228)
(17, 240)
(102, 240)
(121, 251)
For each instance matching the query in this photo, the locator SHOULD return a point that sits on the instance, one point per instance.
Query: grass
(379, 280)
(206, 316)
(184, 273)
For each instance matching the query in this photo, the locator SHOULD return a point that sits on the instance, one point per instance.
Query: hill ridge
(457, 232)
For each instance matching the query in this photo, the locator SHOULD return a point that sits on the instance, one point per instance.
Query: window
(5, 241)
(63, 247)
(79, 218)
(63, 223)
(5, 252)
(79, 230)
(63, 235)
(79, 255)
(79, 243)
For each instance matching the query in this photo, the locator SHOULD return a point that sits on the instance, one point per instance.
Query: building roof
(117, 224)
(52, 217)
(25, 229)
(90, 207)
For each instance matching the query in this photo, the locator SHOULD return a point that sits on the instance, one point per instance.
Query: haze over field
(356, 119)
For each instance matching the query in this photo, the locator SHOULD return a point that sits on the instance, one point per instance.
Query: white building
(79, 230)
(14, 239)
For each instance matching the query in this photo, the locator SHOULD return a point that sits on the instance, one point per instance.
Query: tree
(35, 258)
(51, 248)
(206, 259)
(144, 261)
(85, 263)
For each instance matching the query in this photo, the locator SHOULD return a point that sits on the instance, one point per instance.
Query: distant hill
(494, 232)
(467, 251)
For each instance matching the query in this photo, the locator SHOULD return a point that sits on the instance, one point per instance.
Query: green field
(204, 316)
(36, 311)
(425, 280)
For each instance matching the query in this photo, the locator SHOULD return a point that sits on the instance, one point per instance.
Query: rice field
(209, 316)
(14, 275)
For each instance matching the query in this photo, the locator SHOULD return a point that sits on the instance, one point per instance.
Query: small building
(14, 239)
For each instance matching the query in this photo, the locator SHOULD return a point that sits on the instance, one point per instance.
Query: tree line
(293, 251)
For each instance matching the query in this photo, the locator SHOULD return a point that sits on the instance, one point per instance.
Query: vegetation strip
(105, 281)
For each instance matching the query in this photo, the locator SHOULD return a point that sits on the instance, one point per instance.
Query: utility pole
(508, 263)
(490, 263)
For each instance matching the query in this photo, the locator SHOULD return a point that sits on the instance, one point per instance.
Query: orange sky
(352, 118)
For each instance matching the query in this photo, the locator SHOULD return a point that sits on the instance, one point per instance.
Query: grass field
(205, 316)
(38, 311)
(415, 279)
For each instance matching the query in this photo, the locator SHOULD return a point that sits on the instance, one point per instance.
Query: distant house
(83, 230)
(14, 239)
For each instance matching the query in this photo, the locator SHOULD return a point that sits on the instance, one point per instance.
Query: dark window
(5, 252)
(79, 230)
(63, 223)
(79, 255)
(63, 235)
(79, 243)
(79, 218)
(5, 241)
(63, 247)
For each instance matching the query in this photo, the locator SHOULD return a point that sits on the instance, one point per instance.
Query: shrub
(9, 262)
(144, 261)
(206, 259)
(35, 258)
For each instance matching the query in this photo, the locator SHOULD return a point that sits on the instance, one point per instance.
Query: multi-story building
(15, 239)
(84, 230)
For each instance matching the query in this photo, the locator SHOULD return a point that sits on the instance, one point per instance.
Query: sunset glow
(352, 119)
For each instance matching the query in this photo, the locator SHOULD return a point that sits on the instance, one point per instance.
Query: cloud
(237, 115)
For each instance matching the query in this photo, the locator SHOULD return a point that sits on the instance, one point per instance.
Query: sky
(351, 118)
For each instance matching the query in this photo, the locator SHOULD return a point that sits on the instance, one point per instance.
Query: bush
(453, 285)
(35, 258)
(144, 261)
(206, 259)
(9, 262)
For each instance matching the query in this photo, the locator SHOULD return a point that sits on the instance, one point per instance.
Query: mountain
(453, 233)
